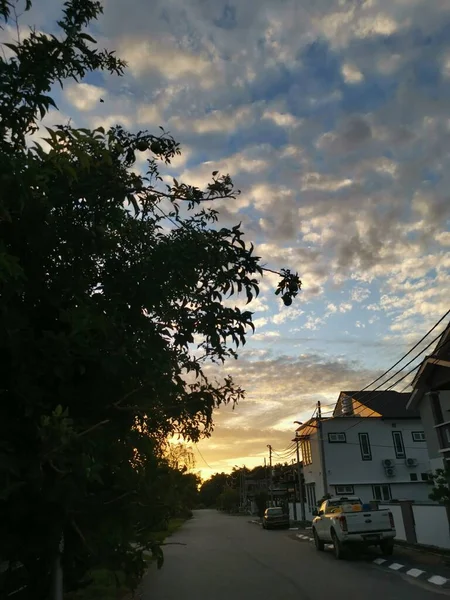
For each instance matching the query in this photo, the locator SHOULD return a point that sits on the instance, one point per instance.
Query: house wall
(426, 416)
(344, 462)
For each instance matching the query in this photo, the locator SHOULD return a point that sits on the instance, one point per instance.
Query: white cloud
(265, 335)
(84, 96)
(359, 294)
(351, 74)
(216, 121)
(345, 307)
(282, 119)
(143, 55)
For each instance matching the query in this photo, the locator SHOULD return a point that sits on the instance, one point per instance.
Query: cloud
(351, 74)
(84, 96)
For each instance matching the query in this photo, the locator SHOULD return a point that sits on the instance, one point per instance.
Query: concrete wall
(432, 527)
(299, 511)
(398, 520)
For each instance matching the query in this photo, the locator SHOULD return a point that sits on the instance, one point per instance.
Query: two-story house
(372, 446)
(431, 397)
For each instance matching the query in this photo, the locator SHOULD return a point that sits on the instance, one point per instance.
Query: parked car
(275, 517)
(343, 522)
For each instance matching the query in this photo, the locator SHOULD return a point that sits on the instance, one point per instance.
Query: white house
(431, 397)
(371, 446)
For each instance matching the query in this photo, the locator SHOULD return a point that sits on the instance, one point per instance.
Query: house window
(425, 476)
(399, 447)
(381, 492)
(306, 452)
(344, 489)
(364, 444)
(418, 436)
(311, 496)
(337, 438)
(413, 477)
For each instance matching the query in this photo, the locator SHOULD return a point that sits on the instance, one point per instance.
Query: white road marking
(396, 566)
(414, 572)
(379, 561)
(437, 580)
(293, 528)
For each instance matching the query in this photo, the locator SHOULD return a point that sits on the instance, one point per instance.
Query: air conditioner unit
(390, 471)
(411, 462)
(387, 462)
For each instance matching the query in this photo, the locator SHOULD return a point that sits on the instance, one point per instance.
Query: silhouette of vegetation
(109, 281)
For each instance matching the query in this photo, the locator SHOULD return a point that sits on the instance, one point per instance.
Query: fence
(426, 524)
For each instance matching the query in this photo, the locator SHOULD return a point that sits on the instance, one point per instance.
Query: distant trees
(212, 488)
(229, 500)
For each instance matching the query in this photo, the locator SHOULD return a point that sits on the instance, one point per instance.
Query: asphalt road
(227, 558)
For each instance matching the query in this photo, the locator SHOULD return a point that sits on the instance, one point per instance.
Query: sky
(333, 118)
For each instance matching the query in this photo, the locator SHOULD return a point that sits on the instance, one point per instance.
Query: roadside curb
(413, 572)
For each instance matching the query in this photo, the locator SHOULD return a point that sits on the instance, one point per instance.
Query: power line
(408, 353)
(370, 393)
(203, 458)
(396, 383)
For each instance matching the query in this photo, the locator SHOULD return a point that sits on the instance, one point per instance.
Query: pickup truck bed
(343, 522)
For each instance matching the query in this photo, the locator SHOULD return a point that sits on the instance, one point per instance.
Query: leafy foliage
(107, 279)
(441, 486)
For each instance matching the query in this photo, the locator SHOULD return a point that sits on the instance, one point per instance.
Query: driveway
(218, 557)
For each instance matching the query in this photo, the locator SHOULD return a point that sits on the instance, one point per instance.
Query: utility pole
(322, 449)
(270, 474)
(295, 494)
(300, 483)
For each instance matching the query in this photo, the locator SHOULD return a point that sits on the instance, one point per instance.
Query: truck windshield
(341, 501)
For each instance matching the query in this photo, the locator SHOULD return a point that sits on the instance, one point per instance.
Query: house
(372, 446)
(431, 397)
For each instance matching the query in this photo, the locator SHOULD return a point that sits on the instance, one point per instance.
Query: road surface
(228, 558)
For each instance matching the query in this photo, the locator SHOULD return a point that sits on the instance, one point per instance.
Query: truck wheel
(387, 548)
(338, 547)
(320, 545)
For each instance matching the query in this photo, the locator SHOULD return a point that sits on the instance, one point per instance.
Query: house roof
(389, 404)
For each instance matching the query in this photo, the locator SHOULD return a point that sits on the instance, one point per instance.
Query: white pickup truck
(342, 522)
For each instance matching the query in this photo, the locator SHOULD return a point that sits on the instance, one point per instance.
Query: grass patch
(160, 536)
(104, 584)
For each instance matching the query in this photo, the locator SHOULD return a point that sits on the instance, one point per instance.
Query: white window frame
(399, 436)
(365, 455)
(344, 489)
(383, 487)
(418, 434)
(339, 438)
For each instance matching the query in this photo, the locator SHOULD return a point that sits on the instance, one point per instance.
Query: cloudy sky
(333, 118)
